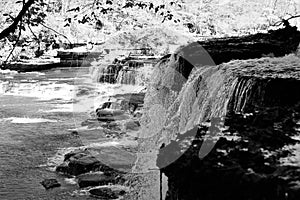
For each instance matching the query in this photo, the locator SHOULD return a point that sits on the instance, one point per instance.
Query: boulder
(50, 183)
(80, 162)
(83, 165)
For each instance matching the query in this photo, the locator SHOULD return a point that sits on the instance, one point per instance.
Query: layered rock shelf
(72, 58)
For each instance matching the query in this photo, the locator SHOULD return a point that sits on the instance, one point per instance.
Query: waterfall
(136, 76)
(250, 94)
(204, 96)
(215, 91)
(131, 73)
(242, 88)
(259, 103)
(126, 76)
(109, 73)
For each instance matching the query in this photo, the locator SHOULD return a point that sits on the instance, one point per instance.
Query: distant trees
(202, 17)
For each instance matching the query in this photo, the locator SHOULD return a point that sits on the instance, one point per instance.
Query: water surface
(36, 115)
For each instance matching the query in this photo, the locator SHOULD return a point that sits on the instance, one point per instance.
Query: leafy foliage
(36, 14)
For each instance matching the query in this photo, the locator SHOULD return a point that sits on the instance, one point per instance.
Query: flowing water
(36, 116)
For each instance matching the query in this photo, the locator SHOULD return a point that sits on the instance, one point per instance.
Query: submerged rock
(50, 183)
(106, 193)
(108, 115)
(95, 179)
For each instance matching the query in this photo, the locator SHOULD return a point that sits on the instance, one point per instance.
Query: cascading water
(131, 73)
(127, 76)
(214, 91)
(108, 74)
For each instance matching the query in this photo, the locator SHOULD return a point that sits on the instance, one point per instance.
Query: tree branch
(14, 25)
(56, 32)
(293, 17)
(285, 22)
(14, 47)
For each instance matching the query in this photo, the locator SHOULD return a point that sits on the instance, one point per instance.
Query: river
(36, 120)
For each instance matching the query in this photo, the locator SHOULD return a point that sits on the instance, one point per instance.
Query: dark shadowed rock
(83, 165)
(50, 183)
(63, 168)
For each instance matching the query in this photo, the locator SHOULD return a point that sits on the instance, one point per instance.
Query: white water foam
(42, 90)
(25, 120)
(7, 71)
(114, 143)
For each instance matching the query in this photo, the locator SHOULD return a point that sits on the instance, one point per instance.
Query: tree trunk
(14, 25)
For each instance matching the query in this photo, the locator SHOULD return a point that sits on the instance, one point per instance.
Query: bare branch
(293, 17)
(56, 32)
(14, 47)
